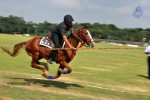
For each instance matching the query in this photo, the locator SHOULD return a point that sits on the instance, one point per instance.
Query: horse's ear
(86, 26)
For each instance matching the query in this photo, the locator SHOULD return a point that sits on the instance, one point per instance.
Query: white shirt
(147, 50)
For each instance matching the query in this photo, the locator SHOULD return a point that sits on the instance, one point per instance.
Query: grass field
(104, 74)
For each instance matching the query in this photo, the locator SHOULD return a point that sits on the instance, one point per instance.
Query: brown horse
(64, 56)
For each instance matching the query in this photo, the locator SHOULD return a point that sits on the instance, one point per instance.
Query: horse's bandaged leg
(51, 77)
(65, 72)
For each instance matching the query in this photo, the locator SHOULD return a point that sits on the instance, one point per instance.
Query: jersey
(58, 33)
(60, 30)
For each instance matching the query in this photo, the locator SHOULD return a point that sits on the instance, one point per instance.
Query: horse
(64, 57)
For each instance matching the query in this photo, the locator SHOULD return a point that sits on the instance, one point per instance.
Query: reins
(80, 40)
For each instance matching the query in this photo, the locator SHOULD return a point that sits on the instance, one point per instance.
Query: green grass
(103, 74)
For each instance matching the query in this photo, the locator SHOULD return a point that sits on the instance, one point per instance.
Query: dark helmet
(68, 19)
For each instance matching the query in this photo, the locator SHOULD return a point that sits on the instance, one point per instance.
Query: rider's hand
(72, 48)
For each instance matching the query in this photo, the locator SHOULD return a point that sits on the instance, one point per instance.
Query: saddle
(47, 41)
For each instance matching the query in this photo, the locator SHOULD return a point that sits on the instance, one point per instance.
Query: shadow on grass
(144, 76)
(48, 83)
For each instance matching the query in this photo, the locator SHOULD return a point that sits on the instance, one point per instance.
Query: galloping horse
(65, 55)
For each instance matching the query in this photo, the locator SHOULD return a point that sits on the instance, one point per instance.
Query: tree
(16, 24)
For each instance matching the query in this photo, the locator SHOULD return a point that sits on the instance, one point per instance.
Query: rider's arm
(62, 30)
(67, 42)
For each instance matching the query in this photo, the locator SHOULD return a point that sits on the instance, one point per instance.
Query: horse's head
(84, 36)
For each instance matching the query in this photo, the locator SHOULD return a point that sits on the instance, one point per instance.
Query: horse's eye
(86, 33)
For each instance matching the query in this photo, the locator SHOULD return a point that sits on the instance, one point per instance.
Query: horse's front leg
(60, 69)
(45, 65)
(63, 64)
(66, 65)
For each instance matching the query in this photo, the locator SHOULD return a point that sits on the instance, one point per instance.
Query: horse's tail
(16, 49)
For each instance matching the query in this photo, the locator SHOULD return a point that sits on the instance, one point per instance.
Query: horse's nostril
(92, 45)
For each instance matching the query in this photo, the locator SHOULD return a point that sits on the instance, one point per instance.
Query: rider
(59, 35)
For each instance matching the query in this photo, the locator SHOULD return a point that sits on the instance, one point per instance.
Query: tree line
(14, 24)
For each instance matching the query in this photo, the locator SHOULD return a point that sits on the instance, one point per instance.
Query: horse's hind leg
(34, 64)
(45, 65)
(42, 63)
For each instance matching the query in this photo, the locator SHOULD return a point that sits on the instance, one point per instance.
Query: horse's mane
(73, 33)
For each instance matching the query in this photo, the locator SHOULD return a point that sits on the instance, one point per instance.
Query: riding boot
(52, 56)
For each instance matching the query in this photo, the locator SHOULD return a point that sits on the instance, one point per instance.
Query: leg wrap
(65, 72)
(51, 77)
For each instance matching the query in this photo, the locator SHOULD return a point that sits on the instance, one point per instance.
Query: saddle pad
(45, 42)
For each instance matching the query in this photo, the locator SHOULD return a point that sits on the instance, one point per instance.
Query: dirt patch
(96, 69)
(144, 81)
(19, 73)
(63, 92)
(83, 73)
(6, 98)
(125, 88)
(112, 67)
(132, 88)
(67, 79)
(3, 83)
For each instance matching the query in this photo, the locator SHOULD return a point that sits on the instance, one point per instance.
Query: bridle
(79, 39)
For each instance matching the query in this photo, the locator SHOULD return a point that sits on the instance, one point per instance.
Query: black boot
(52, 56)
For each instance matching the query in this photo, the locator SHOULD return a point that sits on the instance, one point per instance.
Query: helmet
(68, 19)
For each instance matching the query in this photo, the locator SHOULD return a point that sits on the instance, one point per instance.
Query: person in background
(59, 36)
(147, 51)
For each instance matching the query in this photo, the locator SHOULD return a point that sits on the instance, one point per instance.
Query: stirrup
(50, 61)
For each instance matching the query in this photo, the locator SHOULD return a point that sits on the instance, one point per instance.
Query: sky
(117, 12)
